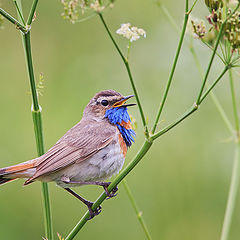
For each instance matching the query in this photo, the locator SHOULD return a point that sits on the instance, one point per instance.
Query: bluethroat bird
(89, 153)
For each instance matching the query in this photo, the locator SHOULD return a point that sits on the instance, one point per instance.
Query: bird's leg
(103, 184)
(86, 202)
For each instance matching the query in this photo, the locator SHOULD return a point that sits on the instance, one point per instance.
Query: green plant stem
(197, 62)
(13, 20)
(232, 194)
(213, 55)
(235, 112)
(137, 211)
(175, 123)
(226, 68)
(169, 16)
(212, 95)
(37, 121)
(32, 11)
(126, 63)
(19, 12)
(144, 149)
(173, 68)
(188, 112)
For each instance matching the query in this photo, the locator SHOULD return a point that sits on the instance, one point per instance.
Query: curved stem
(137, 211)
(232, 195)
(172, 70)
(126, 63)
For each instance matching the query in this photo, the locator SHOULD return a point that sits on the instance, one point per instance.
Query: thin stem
(212, 95)
(27, 47)
(37, 121)
(188, 112)
(197, 62)
(232, 194)
(32, 11)
(19, 12)
(213, 55)
(169, 16)
(175, 123)
(235, 112)
(144, 149)
(193, 6)
(137, 211)
(222, 112)
(126, 63)
(213, 84)
(13, 20)
(210, 47)
(173, 69)
(128, 50)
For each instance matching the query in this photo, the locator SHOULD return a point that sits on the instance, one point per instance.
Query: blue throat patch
(116, 116)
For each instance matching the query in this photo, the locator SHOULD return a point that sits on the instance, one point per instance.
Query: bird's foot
(93, 213)
(112, 193)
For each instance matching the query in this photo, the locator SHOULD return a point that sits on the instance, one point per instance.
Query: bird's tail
(22, 170)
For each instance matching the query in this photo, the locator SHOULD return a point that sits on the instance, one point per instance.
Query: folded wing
(78, 144)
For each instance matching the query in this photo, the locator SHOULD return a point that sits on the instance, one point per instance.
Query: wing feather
(78, 144)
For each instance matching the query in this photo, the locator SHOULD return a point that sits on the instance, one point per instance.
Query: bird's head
(106, 103)
(110, 105)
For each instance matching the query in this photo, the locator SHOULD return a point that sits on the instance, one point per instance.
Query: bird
(88, 154)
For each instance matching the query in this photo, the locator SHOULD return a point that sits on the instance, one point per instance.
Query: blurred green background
(181, 185)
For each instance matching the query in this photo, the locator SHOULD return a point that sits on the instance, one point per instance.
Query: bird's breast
(100, 166)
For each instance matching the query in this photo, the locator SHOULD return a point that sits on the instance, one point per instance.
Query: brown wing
(78, 144)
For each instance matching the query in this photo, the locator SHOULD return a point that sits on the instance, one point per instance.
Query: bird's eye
(104, 102)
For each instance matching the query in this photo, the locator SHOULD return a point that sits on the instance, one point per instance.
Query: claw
(95, 212)
(112, 193)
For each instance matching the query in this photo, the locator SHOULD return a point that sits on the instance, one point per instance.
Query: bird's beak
(122, 101)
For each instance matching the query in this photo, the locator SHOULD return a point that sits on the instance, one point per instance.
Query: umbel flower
(73, 8)
(230, 32)
(130, 32)
(198, 27)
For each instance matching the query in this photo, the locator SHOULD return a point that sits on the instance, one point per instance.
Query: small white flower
(131, 33)
(96, 6)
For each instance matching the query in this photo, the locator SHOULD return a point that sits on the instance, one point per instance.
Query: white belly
(99, 167)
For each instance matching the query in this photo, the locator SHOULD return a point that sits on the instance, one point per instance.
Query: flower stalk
(13, 20)
(37, 121)
(234, 185)
(173, 69)
(137, 211)
(126, 63)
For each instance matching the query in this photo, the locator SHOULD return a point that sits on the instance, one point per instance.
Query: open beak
(122, 101)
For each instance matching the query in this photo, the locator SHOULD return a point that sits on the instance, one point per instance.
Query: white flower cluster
(130, 32)
(96, 6)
